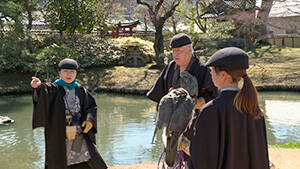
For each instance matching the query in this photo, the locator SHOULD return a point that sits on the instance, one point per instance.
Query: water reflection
(16, 141)
(282, 110)
(125, 128)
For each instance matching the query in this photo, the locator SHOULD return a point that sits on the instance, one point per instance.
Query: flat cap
(68, 64)
(179, 40)
(231, 58)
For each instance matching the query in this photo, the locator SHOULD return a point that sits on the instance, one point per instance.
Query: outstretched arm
(35, 82)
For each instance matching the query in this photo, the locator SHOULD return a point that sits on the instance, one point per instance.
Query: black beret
(68, 64)
(179, 40)
(231, 58)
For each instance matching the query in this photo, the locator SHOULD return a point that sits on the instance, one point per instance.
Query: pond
(126, 124)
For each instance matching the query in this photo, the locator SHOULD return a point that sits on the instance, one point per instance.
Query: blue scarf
(69, 85)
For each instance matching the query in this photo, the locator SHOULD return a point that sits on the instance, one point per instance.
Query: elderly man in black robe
(184, 60)
(68, 113)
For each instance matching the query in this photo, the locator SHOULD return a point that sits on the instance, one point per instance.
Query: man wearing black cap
(184, 60)
(68, 113)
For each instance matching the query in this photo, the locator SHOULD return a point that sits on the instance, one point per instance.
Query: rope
(178, 163)
(162, 154)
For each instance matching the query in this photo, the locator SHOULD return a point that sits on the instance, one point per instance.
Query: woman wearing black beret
(230, 131)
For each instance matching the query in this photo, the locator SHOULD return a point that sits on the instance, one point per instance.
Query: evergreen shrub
(89, 51)
(145, 47)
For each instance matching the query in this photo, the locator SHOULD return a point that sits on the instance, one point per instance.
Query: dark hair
(246, 99)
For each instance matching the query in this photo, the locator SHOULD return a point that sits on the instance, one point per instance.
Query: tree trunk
(158, 22)
(1, 26)
(174, 25)
(61, 33)
(263, 15)
(248, 41)
(159, 46)
(30, 45)
(29, 27)
(145, 22)
(263, 39)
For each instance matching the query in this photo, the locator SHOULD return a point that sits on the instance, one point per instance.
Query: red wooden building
(122, 29)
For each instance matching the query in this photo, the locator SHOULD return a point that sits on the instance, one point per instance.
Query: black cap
(180, 40)
(68, 64)
(231, 58)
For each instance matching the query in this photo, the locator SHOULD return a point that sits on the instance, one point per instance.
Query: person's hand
(185, 145)
(199, 103)
(171, 88)
(88, 125)
(35, 82)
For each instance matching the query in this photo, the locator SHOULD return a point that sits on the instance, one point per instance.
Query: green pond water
(125, 124)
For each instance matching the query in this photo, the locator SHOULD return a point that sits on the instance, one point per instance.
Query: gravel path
(282, 158)
(285, 158)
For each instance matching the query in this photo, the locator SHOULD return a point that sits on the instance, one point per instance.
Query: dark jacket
(207, 90)
(206, 87)
(225, 138)
(49, 112)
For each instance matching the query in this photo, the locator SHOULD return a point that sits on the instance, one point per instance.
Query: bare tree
(250, 21)
(159, 12)
(263, 15)
(130, 6)
(141, 13)
(174, 23)
(285, 18)
(30, 7)
(196, 10)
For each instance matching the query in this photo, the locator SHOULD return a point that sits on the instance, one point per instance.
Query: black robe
(49, 112)
(206, 87)
(225, 138)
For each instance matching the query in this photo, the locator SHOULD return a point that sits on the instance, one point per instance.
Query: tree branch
(158, 6)
(293, 11)
(197, 21)
(171, 11)
(150, 9)
(144, 3)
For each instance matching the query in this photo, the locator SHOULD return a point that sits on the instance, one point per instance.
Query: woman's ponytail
(246, 99)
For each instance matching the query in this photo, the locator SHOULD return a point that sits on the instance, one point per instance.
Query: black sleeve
(41, 102)
(208, 90)
(35, 94)
(90, 113)
(157, 91)
(205, 143)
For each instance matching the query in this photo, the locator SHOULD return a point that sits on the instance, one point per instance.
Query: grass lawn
(271, 68)
(275, 66)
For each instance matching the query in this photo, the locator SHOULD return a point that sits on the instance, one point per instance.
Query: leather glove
(88, 125)
(185, 145)
(199, 103)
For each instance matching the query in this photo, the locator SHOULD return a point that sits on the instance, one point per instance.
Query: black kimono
(225, 138)
(197, 68)
(49, 112)
(206, 87)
